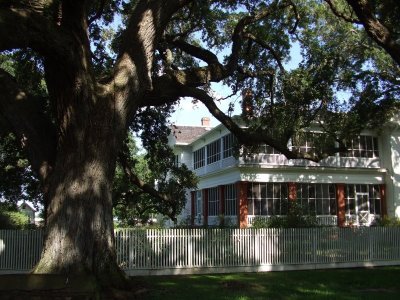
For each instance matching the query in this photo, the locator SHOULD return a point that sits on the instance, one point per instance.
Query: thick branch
(375, 29)
(29, 123)
(205, 55)
(341, 15)
(132, 77)
(24, 28)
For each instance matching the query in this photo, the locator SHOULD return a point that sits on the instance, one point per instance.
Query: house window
(363, 197)
(317, 198)
(176, 160)
(227, 145)
(198, 205)
(199, 158)
(214, 152)
(267, 199)
(362, 146)
(230, 200)
(213, 201)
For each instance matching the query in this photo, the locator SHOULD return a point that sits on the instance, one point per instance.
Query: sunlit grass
(377, 283)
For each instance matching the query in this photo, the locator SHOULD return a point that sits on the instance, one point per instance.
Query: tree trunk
(79, 239)
(79, 235)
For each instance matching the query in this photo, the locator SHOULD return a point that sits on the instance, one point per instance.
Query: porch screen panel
(199, 204)
(199, 158)
(228, 142)
(267, 199)
(214, 152)
(230, 200)
(370, 202)
(317, 198)
(362, 146)
(213, 201)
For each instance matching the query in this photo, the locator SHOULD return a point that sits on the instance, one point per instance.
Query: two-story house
(352, 188)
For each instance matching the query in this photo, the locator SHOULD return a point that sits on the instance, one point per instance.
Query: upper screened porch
(219, 155)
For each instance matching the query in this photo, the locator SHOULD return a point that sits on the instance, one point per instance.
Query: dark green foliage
(11, 218)
(156, 167)
(388, 222)
(17, 182)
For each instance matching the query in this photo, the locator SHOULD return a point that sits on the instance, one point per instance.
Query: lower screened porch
(333, 204)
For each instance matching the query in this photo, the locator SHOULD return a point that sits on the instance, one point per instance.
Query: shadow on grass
(29, 286)
(348, 284)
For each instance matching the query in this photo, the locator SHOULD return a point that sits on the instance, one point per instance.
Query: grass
(348, 284)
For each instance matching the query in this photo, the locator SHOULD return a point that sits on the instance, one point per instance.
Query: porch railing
(326, 220)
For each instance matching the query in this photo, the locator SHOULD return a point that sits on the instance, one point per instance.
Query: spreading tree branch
(340, 14)
(27, 28)
(374, 28)
(246, 137)
(205, 55)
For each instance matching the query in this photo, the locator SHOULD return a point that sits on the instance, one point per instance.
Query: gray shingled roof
(187, 134)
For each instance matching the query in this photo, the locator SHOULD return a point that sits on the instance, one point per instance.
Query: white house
(29, 211)
(345, 189)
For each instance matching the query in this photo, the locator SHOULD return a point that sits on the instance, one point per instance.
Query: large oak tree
(73, 130)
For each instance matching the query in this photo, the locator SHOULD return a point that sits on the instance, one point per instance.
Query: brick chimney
(205, 122)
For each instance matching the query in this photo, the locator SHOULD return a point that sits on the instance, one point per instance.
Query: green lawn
(371, 283)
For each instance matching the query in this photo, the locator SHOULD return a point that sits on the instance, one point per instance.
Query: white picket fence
(185, 251)
(19, 249)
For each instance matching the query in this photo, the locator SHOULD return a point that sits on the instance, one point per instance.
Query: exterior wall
(184, 154)
(391, 162)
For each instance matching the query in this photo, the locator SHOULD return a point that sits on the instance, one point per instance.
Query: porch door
(362, 208)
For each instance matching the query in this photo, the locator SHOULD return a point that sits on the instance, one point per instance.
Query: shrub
(14, 220)
(296, 218)
(388, 222)
(260, 222)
